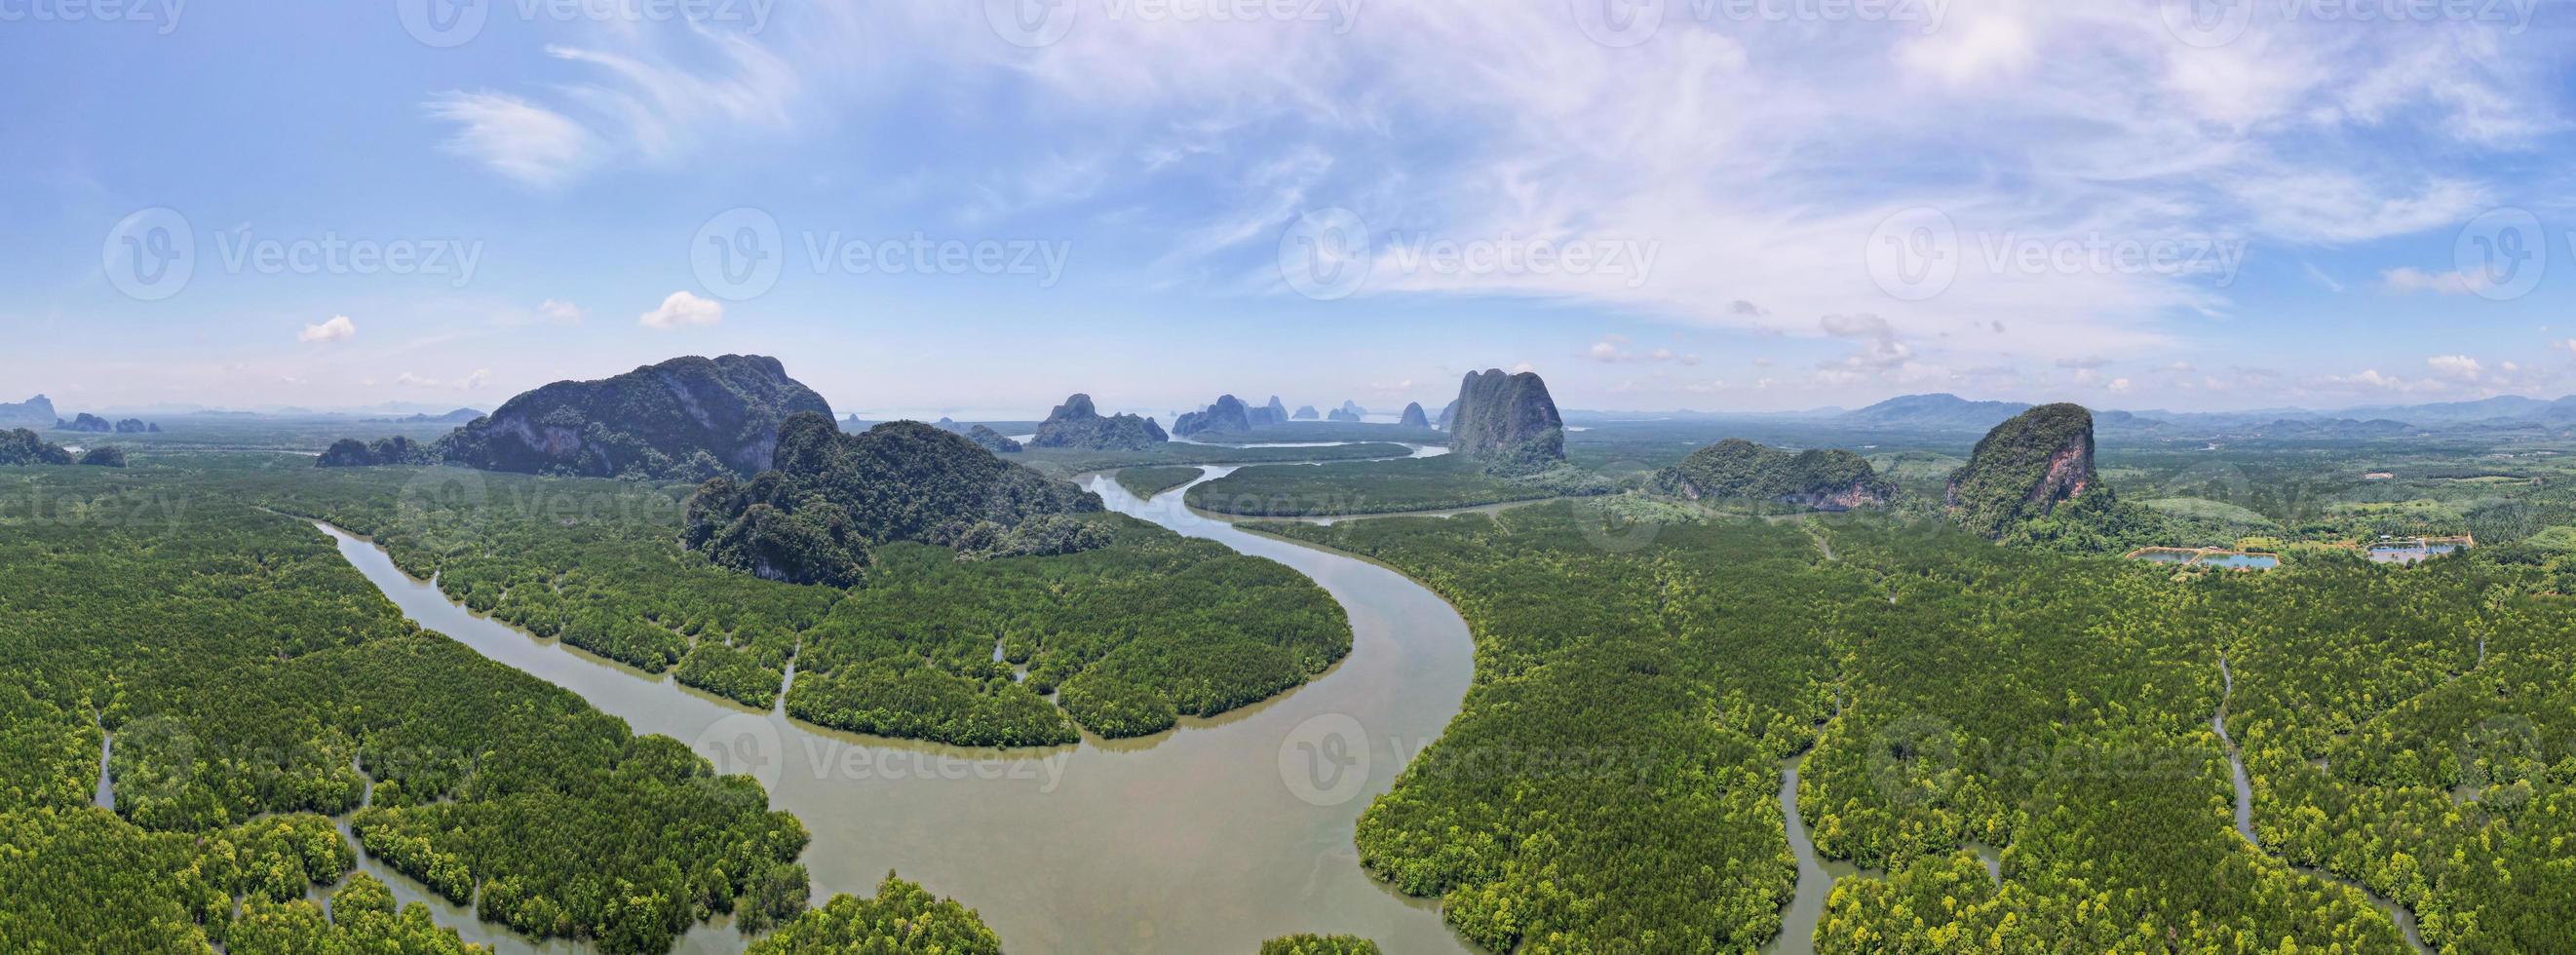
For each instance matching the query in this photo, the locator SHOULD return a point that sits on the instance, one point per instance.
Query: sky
(975, 207)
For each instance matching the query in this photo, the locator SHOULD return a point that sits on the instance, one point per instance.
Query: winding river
(2403, 916)
(1205, 839)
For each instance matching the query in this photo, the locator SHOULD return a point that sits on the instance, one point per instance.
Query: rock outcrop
(1274, 412)
(1502, 415)
(1448, 415)
(1076, 424)
(2024, 469)
(1816, 479)
(833, 497)
(1339, 414)
(36, 412)
(1228, 414)
(1304, 413)
(1413, 416)
(87, 423)
(687, 418)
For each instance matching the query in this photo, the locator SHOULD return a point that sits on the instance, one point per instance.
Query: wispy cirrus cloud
(528, 143)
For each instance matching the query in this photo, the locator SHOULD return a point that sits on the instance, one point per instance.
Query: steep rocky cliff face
(1077, 424)
(1507, 415)
(1413, 416)
(1304, 413)
(2024, 469)
(1274, 411)
(1818, 479)
(689, 417)
(1229, 413)
(1448, 415)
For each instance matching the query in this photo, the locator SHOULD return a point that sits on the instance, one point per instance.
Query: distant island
(92, 424)
(36, 412)
(1076, 424)
(1227, 413)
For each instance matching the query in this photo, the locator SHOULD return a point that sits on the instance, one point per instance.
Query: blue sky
(1720, 205)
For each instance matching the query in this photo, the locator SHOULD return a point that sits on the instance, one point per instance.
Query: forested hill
(1742, 470)
(688, 418)
(2031, 481)
(832, 497)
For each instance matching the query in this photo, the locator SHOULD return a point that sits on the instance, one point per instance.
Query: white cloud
(519, 139)
(682, 309)
(2370, 378)
(1746, 152)
(1608, 350)
(2409, 279)
(473, 380)
(1856, 326)
(559, 311)
(2461, 368)
(338, 329)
